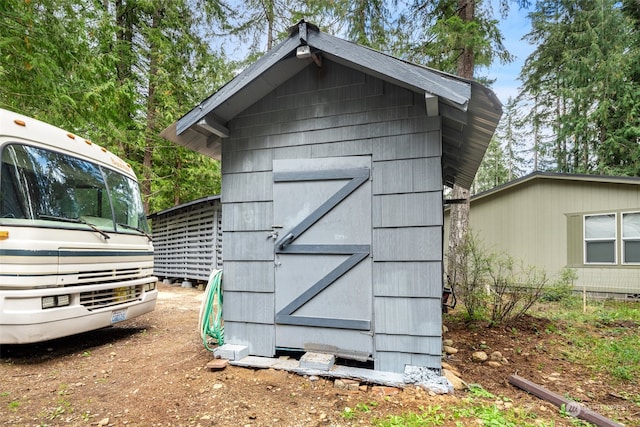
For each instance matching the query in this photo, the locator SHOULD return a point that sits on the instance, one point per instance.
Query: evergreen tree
(506, 157)
(583, 76)
(259, 25)
(449, 33)
(493, 170)
(535, 130)
(368, 23)
(49, 69)
(512, 140)
(117, 72)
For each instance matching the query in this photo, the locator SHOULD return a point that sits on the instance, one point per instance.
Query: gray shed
(187, 240)
(334, 158)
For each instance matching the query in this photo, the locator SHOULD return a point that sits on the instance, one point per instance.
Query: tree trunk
(176, 182)
(269, 12)
(458, 227)
(536, 137)
(123, 49)
(466, 11)
(149, 143)
(459, 212)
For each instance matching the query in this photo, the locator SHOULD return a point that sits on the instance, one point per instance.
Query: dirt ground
(150, 371)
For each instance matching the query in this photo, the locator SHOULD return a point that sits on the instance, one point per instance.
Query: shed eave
(414, 77)
(231, 94)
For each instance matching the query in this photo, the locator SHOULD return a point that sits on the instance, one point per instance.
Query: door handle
(287, 239)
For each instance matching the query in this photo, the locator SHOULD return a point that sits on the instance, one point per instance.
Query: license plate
(118, 315)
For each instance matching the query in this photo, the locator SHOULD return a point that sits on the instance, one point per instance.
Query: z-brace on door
(322, 218)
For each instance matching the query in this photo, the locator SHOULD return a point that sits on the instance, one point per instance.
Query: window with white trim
(600, 236)
(631, 237)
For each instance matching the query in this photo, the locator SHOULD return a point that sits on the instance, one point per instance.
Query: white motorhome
(75, 253)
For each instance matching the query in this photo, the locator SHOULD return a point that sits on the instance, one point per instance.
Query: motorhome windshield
(45, 188)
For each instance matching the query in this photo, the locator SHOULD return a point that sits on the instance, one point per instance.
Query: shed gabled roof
(470, 112)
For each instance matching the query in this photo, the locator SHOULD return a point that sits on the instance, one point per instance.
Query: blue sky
(513, 29)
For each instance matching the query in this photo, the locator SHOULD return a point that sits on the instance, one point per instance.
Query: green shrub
(493, 286)
(470, 285)
(562, 288)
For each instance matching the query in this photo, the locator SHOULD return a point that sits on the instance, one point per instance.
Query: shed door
(322, 213)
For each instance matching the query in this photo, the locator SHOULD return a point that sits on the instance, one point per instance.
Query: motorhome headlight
(149, 287)
(64, 300)
(55, 301)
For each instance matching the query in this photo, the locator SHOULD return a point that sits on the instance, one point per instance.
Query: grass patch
(599, 312)
(351, 413)
(603, 335)
(477, 391)
(492, 415)
(430, 416)
(618, 356)
(471, 411)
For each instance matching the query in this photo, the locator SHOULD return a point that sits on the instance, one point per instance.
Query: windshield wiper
(139, 230)
(75, 221)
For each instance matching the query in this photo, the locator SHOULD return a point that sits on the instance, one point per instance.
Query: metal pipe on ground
(572, 408)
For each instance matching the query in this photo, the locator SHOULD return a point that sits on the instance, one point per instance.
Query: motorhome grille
(93, 300)
(100, 276)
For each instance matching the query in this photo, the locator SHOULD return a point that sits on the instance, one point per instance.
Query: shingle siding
(335, 112)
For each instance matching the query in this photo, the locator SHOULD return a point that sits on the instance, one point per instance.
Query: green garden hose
(210, 322)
